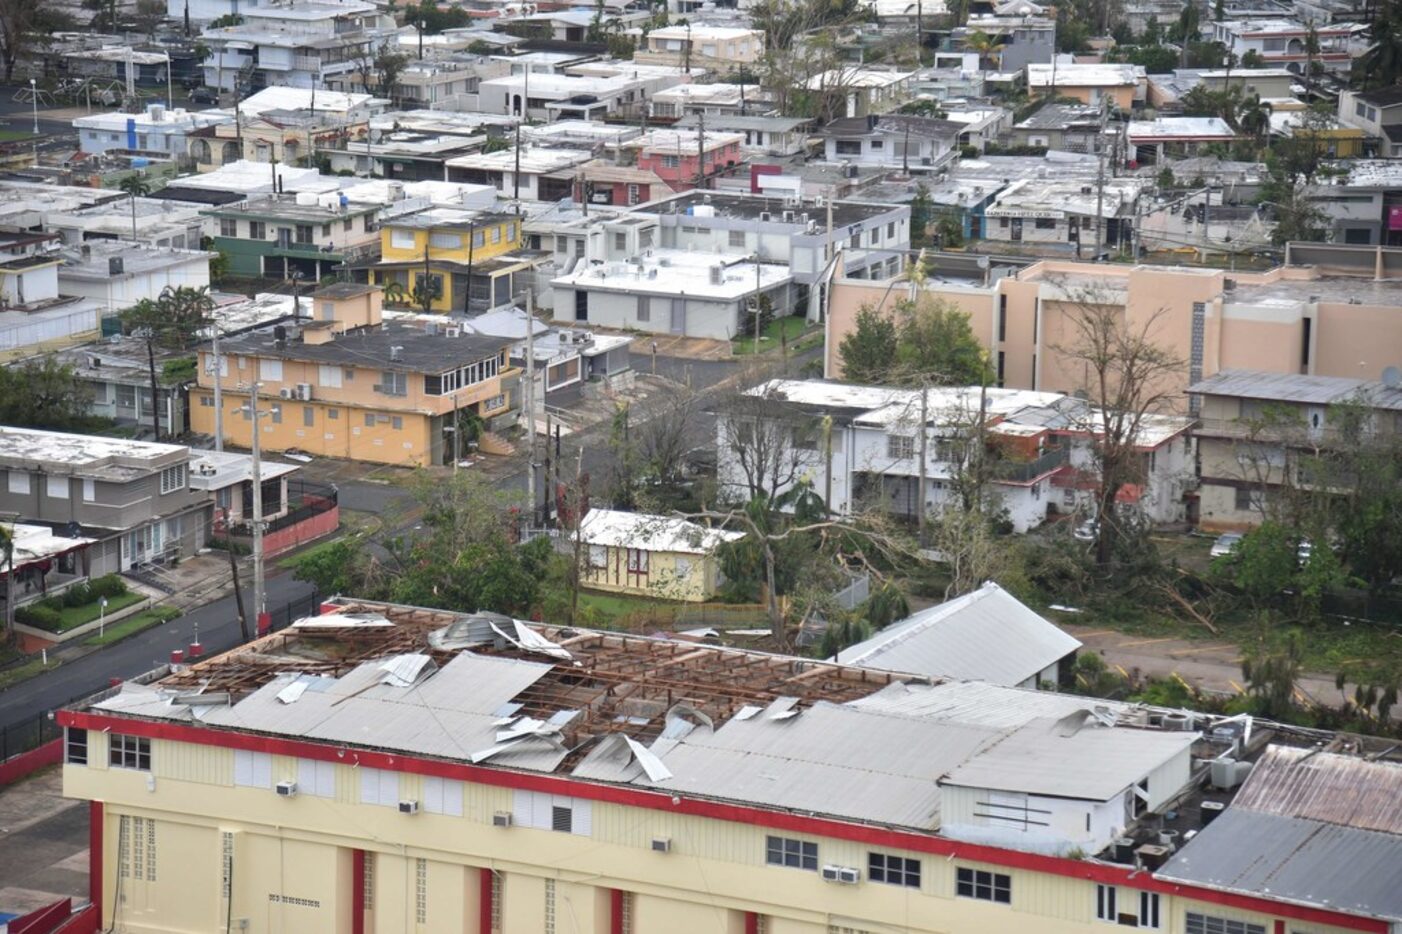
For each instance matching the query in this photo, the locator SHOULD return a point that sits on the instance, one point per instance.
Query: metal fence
(37, 729)
(310, 499)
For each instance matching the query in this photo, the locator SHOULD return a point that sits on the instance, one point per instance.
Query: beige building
(1331, 311)
(1259, 432)
(435, 772)
(710, 48)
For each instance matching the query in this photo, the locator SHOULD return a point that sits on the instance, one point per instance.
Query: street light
(34, 99)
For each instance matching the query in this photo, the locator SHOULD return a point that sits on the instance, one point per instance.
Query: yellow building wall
(663, 580)
(508, 238)
(346, 435)
(292, 866)
(508, 233)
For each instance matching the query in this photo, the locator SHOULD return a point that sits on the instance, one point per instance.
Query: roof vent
(395, 352)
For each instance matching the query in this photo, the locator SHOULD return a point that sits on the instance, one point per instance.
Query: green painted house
(308, 233)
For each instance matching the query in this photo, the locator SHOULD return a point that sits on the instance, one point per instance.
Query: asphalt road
(218, 630)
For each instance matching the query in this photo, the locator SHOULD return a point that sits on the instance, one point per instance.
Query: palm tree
(982, 43)
(395, 292)
(1254, 117)
(135, 185)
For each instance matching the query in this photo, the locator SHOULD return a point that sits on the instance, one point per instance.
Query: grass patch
(11, 136)
(29, 669)
(133, 624)
(776, 333)
(72, 616)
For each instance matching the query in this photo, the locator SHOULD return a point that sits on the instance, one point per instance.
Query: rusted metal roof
(1328, 787)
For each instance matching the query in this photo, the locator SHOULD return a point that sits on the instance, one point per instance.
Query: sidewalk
(43, 844)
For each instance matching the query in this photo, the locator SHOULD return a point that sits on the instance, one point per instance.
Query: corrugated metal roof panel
(988, 635)
(975, 703)
(1297, 387)
(1295, 859)
(1327, 787)
(830, 759)
(1094, 763)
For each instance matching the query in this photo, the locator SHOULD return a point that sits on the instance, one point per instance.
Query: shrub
(77, 595)
(108, 586)
(39, 616)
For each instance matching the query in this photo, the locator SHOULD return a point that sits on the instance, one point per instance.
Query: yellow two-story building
(469, 259)
(345, 384)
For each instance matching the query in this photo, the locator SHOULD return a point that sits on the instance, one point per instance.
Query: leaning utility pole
(530, 406)
(256, 478)
(701, 150)
(218, 395)
(1100, 179)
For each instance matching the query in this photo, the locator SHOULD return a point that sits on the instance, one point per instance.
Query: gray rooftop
(1299, 388)
(1309, 827)
(986, 635)
(1091, 763)
(750, 207)
(418, 351)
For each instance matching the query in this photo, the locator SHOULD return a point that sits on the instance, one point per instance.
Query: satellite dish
(1392, 377)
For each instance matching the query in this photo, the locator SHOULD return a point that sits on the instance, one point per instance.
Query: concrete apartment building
(1256, 431)
(1039, 446)
(1329, 309)
(156, 130)
(1120, 84)
(133, 497)
(717, 49)
(1281, 42)
(346, 384)
(466, 255)
(1377, 113)
(788, 230)
(685, 159)
(306, 233)
(295, 44)
(547, 786)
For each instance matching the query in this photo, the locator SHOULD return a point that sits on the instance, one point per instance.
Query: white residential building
(118, 273)
(669, 291)
(545, 174)
(295, 44)
(1043, 462)
(157, 129)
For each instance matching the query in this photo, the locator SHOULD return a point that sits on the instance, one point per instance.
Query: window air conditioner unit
(287, 789)
(408, 807)
(501, 819)
(842, 874)
(662, 844)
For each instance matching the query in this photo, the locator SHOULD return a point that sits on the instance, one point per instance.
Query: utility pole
(1100, 180)
(259, 605)
(701, 150)
(530, 407)
(924, 452)
(218, 396)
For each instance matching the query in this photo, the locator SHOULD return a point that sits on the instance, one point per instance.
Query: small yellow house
(465, 254)
(654, 556)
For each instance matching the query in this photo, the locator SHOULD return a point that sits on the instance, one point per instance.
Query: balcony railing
(1027, 471)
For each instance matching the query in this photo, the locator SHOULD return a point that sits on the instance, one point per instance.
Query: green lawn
(78, 615)
(788, 328)
(23, 672)
(132, 625)
(10, 136)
